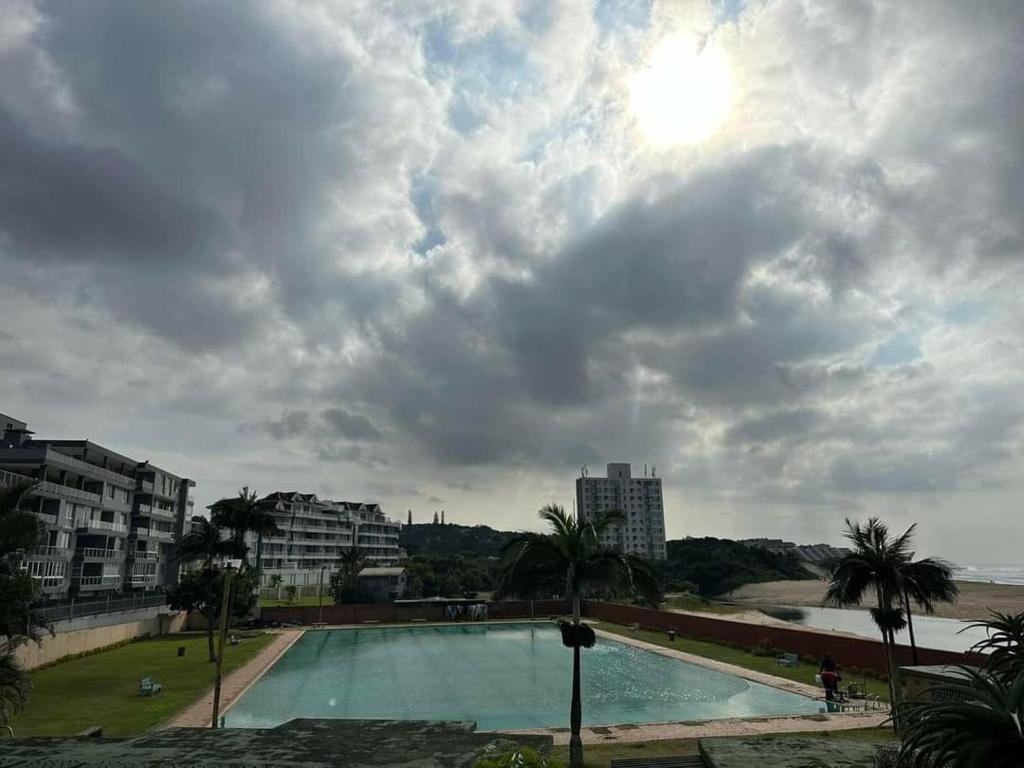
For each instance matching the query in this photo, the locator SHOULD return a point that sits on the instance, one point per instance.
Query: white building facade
(315, 533)
(639, 498)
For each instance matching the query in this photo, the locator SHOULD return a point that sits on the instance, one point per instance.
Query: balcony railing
(100, 525)
(153, 533)
(137, 579)
(59, 552)
(144, 554)
(95, 553)
(49, 488)
(98, 581)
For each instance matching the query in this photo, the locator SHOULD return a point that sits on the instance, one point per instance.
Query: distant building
(316, 532)
(811, 553)
(111, 522)
(639, 498)
(383, 584)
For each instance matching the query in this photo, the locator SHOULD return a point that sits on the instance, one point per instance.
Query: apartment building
(97, 509)
(316, 532)
(639, 498)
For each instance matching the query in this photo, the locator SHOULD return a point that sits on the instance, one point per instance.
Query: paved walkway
(235, 684)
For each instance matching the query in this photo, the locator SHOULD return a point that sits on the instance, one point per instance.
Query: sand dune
(974, 602)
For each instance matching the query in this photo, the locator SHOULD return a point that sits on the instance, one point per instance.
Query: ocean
(1000, 574)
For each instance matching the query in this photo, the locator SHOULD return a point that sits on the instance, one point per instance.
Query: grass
(103, 688)
(699, 604)
(601, 755)
(802, 672)
(270, 602)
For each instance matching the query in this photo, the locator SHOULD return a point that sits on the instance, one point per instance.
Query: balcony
(90, 470)
(98, 582)
(51, 553)
(95, 553)
(144, 554)
(144, 486)
(142, 579)
(153, 533)
(102, 526)
(46, 488)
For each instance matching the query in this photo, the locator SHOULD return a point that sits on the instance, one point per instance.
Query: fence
(397, 613)
(78, 608)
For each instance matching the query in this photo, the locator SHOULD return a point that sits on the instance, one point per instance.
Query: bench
(787, 660)
(148, 688)
(680, 761)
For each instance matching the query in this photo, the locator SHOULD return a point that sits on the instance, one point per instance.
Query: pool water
(500, 676)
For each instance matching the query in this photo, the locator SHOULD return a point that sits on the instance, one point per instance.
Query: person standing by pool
(830, 677)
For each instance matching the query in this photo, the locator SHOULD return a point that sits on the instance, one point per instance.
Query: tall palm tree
(242, 514)
(346, 579)
(572, 555)
(874, 565)
(926, 582)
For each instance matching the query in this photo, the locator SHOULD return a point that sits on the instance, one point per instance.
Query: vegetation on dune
(573, 556)
(449, 575)
(452, 539)
(717, 566)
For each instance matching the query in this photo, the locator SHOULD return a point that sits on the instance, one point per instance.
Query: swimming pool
(500, 676)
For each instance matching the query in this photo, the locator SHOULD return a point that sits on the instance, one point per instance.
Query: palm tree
(346, 579)
(14, 690)
(926, 582)
(874, 565)
(573, 555)
(205, 542)
(242, 514)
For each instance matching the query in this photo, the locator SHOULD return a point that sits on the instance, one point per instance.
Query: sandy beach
(976, 598)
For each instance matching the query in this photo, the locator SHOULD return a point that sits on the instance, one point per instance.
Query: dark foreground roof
(299, 743)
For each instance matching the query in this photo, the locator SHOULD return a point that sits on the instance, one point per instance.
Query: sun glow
(683, 93)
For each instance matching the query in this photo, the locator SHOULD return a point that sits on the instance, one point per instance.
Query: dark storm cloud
(773, 426)
(354, 426)
(81, 203)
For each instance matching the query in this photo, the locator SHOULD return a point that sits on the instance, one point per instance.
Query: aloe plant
(1004, 645)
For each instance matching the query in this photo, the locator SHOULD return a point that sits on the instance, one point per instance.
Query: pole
(224, 612)
(320, 597)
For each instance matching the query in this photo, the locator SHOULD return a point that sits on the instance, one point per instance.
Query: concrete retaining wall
(88, 633)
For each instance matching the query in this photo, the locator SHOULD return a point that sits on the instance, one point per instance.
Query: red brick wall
(848, 651)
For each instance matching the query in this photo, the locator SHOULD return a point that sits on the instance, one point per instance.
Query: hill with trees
(715, 566)
(452, 539)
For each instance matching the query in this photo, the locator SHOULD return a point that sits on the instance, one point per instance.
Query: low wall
(388, 613)
(848, 651)
(89, 633)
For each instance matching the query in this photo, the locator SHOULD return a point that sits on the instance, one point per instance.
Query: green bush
(505, 754)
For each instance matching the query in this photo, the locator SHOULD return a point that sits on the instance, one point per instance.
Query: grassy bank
(802, 672)
(103, 688)
(698, 604)
(601, 755)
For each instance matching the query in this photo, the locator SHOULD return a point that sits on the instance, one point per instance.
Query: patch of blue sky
(728, 10)
(613, 16)
(899, 349)
(965, 312)
(423, 195)
(490, 69)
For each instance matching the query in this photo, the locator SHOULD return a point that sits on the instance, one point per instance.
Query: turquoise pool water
(501, 676)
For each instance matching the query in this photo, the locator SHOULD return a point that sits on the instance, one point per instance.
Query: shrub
(505, 754)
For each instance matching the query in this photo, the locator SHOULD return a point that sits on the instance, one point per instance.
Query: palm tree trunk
(910, 626)
(576, 708)
(259, 551)
(209, 638)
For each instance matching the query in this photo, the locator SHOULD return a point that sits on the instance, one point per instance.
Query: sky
(440, 254)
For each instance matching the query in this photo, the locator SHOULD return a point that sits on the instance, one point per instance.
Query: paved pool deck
(198, 714)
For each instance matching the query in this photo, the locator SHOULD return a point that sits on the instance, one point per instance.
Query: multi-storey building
(96, 513)
(639, 498)
(316, 532)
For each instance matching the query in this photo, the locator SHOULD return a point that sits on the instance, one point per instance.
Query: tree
(20, 531)
(203, 591)
(883, 565)
(204, 543)
(573, 555)
(243, 514)
(345, 580)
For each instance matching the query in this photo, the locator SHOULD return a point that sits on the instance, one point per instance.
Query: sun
(683, 93)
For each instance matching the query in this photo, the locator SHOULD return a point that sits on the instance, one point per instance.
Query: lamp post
(225, 611)
(320, 597)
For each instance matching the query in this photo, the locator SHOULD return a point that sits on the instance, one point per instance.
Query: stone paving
(787, 753)
(197, 714)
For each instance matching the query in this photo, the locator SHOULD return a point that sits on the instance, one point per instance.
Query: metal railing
(45, 486)
(143, 554)
(98, 581)
(79, 608)
(100, 525)
(105, 554)
(37, 552)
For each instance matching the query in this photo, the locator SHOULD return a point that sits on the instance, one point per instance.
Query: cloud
(435, 242)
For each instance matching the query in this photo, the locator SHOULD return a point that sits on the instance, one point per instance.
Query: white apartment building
(111, 522)
(316, 532)
(639, 498)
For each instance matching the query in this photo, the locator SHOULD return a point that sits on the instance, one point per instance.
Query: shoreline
(975, 601)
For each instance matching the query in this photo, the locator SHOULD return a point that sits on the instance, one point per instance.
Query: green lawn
(103, 688)
(601, 755)
(270, 602)
(803, 672)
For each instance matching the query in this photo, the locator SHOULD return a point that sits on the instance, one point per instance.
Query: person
(830, 676)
